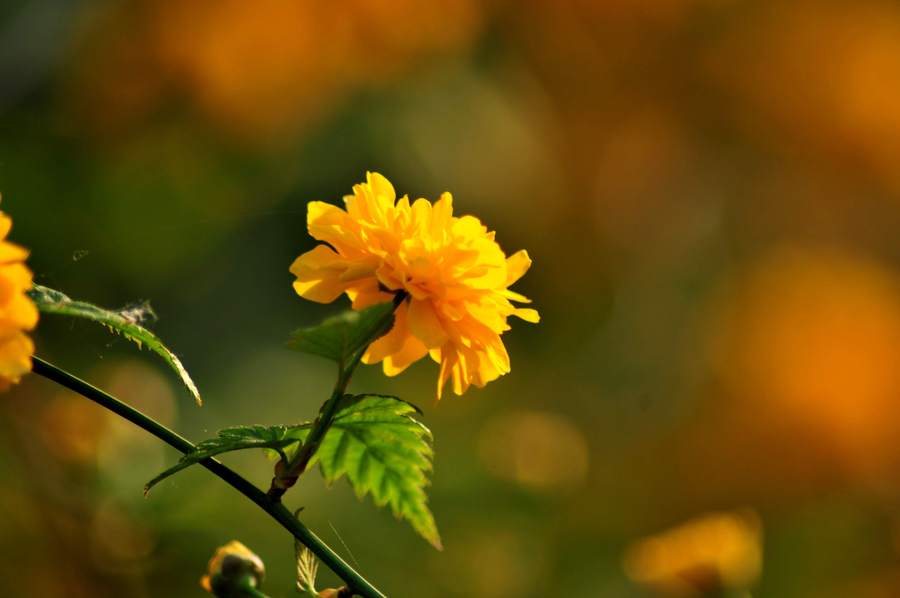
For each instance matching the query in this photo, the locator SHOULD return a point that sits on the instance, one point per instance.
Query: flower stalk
(274, 508)
(287, 474)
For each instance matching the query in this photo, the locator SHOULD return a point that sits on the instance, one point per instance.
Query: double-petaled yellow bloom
(453, 270)
(17, 312)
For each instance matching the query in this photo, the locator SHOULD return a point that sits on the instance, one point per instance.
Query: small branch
(274, 508)
(287, 473)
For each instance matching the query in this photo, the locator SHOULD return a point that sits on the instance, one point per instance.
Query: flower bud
(231, 570)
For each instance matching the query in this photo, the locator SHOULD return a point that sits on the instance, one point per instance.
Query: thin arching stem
(275, 509)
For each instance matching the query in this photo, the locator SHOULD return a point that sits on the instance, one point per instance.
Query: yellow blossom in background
(17, 312)
(847, 113)
(810, 336)
(453, 270)
(708, 554)
(539, 450)
(229, 566)
(258, 71)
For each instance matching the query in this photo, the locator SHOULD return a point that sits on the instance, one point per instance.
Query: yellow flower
(715, 552)
(454, 272)
(17, 312)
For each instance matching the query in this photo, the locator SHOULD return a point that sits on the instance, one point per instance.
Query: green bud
(233, 569)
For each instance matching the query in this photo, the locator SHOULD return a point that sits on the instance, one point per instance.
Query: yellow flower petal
(392, 342)
(17, 312)
(5, 225)
(513, 296)
(412, 350)
(318, 273)
(516, 266)
(382, 189)
(11, 253)
(529, 315)
(366, 293)
(332, 225)
(453, 270)
(425, 324)
(15, 358)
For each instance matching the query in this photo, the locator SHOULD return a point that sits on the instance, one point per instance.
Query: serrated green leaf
(384, 452)
(374, 441)
(307, 568)
(235, 439)
(126, 322)
(339, 337)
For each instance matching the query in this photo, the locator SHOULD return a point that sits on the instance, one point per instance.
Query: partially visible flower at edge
(453, 270)
(229, 568)
(18, 313)
(712, 553)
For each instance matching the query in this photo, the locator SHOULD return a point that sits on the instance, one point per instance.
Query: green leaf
(341, 336)
(307, 568)
(234, 439)
(385, 453)
(126, 322)
(374, 441)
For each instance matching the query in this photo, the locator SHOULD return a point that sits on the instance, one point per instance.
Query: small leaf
(384, 452)
(307, 568)
(374, 441)
(234, 439)
(126, 322)
(339, 337)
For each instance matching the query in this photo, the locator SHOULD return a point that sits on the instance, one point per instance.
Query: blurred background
(710, 191)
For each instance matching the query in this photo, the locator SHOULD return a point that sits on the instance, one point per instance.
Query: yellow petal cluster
(704, 556)
(455, 274)
(17, 312)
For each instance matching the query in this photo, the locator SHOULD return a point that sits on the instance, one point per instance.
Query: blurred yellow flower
(259, 71)
(229, 567)
(711, 553)
(848, 113)
(539, 450)
(810, 336)
(17, 312)
(455, 273)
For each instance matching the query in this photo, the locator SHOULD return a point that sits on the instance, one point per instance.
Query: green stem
(249, 589)
(287, 474)
(275, 509)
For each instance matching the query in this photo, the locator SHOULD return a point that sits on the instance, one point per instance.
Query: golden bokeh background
(710, 191)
